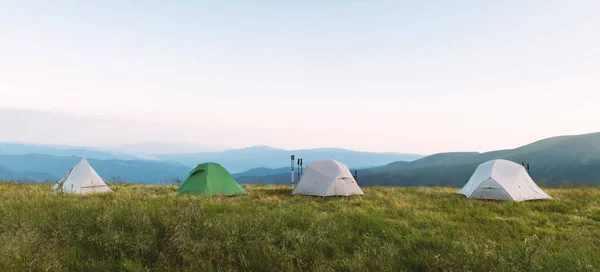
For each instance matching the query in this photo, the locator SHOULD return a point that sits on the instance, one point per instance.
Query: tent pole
(298, 168)
(292, 172)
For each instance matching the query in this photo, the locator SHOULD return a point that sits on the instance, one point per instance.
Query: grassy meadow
(152, 228)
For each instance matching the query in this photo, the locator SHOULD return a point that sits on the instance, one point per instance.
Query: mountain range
(42, 167)
(58, 150)
(43, 162)
(238, 160)
(557, 161)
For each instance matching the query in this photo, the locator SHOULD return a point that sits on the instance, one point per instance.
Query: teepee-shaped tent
(210, 179)
(327, 178)
(82, 179)
(502, 180)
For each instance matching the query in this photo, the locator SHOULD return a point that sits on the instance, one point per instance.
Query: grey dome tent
(327, 178)
(502, 180)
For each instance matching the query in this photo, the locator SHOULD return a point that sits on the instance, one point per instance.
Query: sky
(395, 76)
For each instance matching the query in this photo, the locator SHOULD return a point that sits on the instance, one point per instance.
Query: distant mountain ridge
(577, 148)
(239, 160)
(563, 160)
(148, 149)
(57, 150)
(41, 162)
(235, 160)
(42, 167)
(262, 171)
(556, 161)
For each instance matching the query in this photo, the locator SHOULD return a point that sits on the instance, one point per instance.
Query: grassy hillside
(144, 227)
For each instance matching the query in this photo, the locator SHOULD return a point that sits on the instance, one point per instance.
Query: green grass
(140, 228)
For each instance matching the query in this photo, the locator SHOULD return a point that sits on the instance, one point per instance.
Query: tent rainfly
(210, 179)
(82, 179)
(327, 178)
(502, 180)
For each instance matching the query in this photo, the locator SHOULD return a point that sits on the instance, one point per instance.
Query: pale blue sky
(406, 76)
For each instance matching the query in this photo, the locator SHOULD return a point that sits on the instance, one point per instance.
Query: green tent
(210, 179)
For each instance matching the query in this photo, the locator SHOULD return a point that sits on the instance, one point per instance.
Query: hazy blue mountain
(41, 167)
(36, 176)
(7, 174)
(272, 176)
(39, 162)
(263, 171)
(56, 150)
(270, 179)
(140, 170)
(557, 161)
(238, 160)
(565, 160)
(162, 148)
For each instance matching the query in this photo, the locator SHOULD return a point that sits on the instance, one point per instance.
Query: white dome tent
(502, 180)
(327, 178)
(82, 179)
